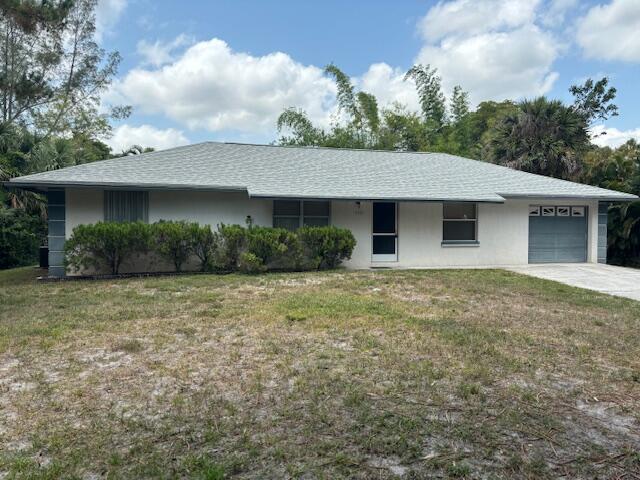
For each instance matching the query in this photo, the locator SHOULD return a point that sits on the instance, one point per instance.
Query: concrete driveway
(619, 281)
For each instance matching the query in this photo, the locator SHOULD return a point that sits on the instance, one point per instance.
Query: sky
(197, 70)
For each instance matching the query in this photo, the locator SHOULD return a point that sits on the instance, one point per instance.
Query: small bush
(106, 245)
(326, 247)
(251, 263)
(174, 241)
(277, 248)
(231, 244)
(205, 243)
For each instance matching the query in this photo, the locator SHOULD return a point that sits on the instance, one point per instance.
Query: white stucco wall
(503, 229)
(206, 208)
(503, 234)
(83, 206)
(209, 208)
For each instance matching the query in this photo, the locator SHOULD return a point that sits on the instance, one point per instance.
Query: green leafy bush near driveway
(104, 247)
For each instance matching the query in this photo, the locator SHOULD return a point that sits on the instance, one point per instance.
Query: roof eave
(48, 185)
(628, 197)
(366, 198)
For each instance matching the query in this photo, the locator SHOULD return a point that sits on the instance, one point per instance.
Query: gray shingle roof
(307, 172)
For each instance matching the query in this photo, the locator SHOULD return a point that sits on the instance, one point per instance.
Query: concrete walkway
(619, 281)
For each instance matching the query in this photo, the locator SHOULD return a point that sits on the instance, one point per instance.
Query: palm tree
(543, 136)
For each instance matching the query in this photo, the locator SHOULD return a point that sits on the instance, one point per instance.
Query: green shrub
(205, 244)
(251, 263)
(106, 244)
(326, 247)
(231, 243)
(21, 234)
(174, 241)
(277, 248)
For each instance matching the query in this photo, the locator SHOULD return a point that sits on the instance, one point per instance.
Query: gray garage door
(557, 234)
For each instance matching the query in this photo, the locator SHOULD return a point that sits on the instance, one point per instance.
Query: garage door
(557, 234)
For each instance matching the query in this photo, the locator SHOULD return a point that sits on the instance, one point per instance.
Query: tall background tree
(52, 76)
(542, 136)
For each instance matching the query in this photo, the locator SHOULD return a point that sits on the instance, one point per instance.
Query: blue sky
(224, 70)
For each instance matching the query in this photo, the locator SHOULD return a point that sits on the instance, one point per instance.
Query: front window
(292, 214)
(459, 222)
(123, 206)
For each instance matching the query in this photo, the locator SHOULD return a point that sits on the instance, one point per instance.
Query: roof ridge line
(322, 147)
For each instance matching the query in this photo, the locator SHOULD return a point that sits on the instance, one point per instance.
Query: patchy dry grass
(414, 374)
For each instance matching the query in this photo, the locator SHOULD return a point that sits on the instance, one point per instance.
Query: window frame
(108, 208)
(461, 242)
(301, 215)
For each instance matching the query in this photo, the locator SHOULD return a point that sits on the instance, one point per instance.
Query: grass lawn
(387, 374)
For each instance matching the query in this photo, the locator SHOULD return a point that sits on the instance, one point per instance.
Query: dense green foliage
(105, 246)
(174, 241)
(272, 248)
(325, 247)
(205, 243)
(231, 244)
(619, 169)
(20, 236)
(52, 77)
(258, 249)
(541, 136)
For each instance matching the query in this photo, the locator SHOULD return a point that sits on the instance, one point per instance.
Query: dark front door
(385, 232)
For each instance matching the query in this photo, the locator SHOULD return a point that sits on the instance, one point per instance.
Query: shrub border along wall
(231, 248)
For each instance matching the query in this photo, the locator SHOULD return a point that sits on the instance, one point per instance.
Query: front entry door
(385, 232)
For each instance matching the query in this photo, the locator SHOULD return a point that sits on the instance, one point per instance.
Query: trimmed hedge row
(104, 246)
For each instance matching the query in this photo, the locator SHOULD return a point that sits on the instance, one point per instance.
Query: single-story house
(405, 209)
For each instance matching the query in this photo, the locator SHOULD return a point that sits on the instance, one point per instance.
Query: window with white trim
(126, 206)
(459, 222)
(293, 214)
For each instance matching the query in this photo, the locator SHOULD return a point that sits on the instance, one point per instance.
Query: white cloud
(388, 86)
(160, 53)
(555, 11)
(496, 65)
(108, 13)
(212, 87)
(471, 17)
(611, 31)
(124, 136)
(494, 49)
(612, 137)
